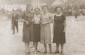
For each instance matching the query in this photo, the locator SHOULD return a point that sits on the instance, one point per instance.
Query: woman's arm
(23, 18)
(50, 19)
(64, 23)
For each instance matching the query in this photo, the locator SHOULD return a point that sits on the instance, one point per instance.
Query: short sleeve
(41, 18)
(51, 17)
(54, 18)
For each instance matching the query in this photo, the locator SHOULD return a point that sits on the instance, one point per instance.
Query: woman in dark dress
(36, 27)
(59, 29)
(27, 27)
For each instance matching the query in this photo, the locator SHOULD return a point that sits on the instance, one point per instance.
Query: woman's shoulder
(32, 12)
(63, 14)
(49, 13)
(54, 15)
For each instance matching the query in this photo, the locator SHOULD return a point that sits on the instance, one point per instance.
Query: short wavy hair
(28, 5)
(57, 8)
(37, 8)
(44, 6)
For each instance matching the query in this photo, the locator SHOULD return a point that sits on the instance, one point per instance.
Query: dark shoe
(50, 52)
(45, 52)
(28, 53)
(39, 51)
(61, 53)
(56, 52)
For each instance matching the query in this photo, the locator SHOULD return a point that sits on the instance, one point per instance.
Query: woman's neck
(59, 14)
(28, 11)
(36, 13)
(45, 12)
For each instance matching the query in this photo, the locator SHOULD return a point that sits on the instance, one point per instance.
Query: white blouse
(37, 19)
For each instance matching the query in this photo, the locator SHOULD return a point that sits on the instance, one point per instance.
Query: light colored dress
(46, 29)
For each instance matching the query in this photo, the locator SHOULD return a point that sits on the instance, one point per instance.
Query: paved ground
(12, 44)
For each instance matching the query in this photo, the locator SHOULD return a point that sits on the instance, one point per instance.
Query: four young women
(37, 28)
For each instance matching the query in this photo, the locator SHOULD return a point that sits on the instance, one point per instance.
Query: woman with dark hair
(27, 27)
(36, 27)
(59, 29)
(46, 20)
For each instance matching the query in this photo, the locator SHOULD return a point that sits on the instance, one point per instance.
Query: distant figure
(82, 12)
(76, 13)
(59, 30)
(15, 21)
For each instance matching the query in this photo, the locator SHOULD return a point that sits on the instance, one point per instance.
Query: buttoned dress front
(46, 29)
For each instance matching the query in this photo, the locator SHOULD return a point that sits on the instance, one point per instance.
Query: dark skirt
(27, 33)
(59, 35)
(36, 32)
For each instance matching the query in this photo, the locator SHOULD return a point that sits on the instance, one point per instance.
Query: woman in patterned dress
(46, 20)
(27, 27)
(59, 29)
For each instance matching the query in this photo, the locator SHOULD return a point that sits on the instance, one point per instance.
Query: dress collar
(59, 14)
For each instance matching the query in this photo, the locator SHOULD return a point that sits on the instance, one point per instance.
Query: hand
(45, 23)
(64, 30)
(26, 22)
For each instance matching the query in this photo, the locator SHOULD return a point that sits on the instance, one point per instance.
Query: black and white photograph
(42, 27)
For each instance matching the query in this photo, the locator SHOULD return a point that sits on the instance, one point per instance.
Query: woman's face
(29, 8)
(37, 11)
(58, 10)
(45, 9)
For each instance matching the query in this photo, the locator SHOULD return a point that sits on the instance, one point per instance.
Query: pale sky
(27, 1)
(13, 1)
(19, 1)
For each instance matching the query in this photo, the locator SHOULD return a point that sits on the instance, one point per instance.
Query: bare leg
(45, 49)
(62, 45)
(35, 45)
(57, 48)
(50, 48)
(27, 48)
